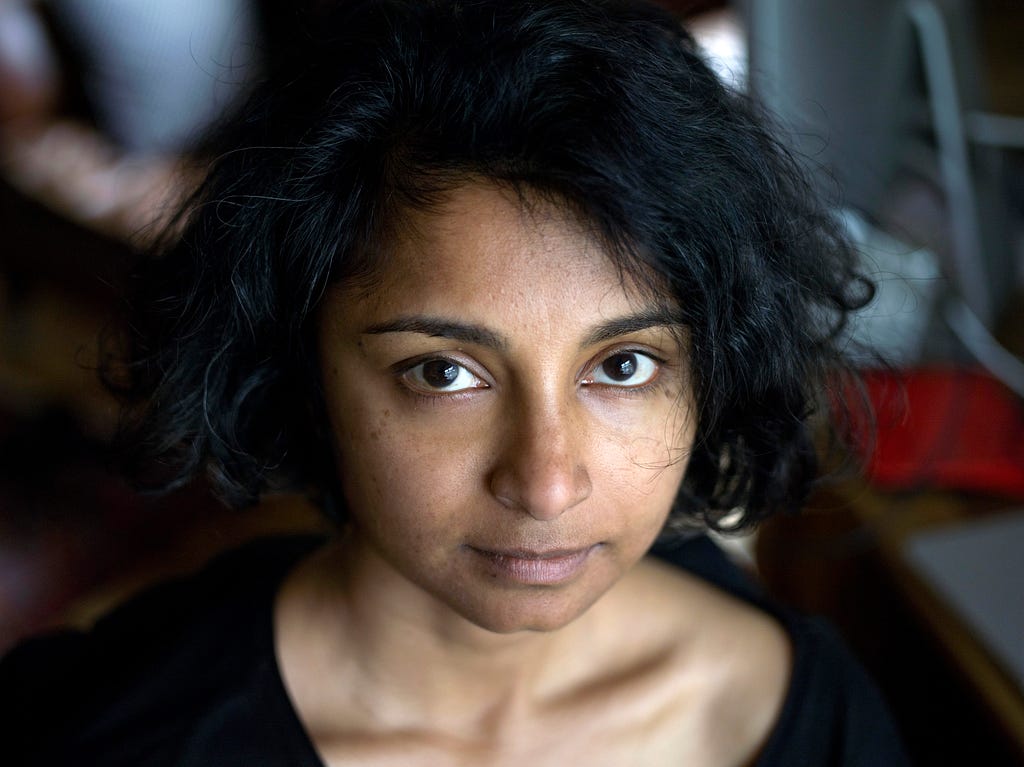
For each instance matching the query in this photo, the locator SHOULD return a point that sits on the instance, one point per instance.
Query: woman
(512, 288)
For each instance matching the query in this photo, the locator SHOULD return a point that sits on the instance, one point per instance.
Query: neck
(412, 661)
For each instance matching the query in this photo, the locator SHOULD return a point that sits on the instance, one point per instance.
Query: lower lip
(536, 571)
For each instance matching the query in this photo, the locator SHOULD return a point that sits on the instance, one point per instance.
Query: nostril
(540, 466)
(543, 492)
(506, 501)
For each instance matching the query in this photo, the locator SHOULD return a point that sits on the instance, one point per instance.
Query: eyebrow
(653, 317)
(438, 327)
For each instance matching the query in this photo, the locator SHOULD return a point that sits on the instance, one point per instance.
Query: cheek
(364, 446)
(646, 455)
(394, 471)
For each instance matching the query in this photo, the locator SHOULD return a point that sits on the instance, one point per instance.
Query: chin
(539, 611)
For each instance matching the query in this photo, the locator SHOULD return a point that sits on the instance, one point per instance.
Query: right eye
(441, 376)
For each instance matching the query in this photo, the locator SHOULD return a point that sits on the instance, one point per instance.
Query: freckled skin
(539, 456)
(400, 642)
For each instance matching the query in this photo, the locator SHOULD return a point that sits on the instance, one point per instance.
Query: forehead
(483, 245)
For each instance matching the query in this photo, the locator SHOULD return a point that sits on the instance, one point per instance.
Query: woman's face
(512, 420)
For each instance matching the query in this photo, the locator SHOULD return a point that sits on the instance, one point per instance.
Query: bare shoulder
(731, 661)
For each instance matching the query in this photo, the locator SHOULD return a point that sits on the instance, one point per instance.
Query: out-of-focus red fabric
(949, 429)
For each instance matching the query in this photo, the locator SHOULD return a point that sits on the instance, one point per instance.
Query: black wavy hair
(603, 105)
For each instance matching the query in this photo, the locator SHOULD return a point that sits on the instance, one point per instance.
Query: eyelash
(402, 370)
(656, 382)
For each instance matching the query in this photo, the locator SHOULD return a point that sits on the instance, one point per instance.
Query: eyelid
(455, 357)
(596, 362)
(402, 370)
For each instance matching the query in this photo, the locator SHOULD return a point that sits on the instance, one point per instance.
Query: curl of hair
(604, 105)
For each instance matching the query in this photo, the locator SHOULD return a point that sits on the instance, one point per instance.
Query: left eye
(441, 375)
(626, 369)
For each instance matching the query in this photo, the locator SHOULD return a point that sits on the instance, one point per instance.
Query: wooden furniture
(846, 558)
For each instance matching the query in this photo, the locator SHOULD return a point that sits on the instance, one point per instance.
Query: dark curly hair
(603, 105)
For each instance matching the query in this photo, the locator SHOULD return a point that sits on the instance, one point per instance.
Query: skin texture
(404, 642)
(534, 450)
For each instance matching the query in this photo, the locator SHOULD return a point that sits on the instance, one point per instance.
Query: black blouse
(186, 675)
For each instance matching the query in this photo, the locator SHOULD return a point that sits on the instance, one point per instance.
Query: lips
(535, 568)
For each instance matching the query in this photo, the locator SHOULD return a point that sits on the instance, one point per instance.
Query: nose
(541, 469)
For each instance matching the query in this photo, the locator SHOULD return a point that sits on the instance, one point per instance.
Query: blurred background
(909, 114)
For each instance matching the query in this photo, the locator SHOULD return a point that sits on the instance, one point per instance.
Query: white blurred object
(908, 282)
(909, 288)
(23, 42)
(977, 568)
(841, 77)
(78, 173)
(740, 548)
(720, 35)
(28, 68)
(159, 71)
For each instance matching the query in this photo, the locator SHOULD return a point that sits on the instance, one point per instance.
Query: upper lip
(523, 553)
